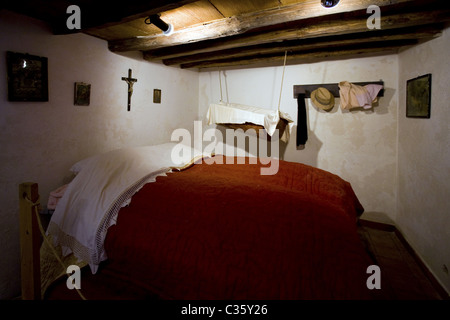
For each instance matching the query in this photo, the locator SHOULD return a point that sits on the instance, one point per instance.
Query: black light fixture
(155, 19)
(329, 3)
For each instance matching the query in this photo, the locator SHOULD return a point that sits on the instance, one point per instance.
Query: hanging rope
(282, 79)
(220, 83)
(35, 205)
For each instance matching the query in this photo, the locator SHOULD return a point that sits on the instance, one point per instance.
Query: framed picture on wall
(27, 77)
(82, 95)
(156, 95)
(418, 97)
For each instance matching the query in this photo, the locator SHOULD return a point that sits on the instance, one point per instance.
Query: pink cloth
(354, 96)
(54, 197)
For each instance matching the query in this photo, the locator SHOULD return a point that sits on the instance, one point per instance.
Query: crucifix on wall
(130, 81)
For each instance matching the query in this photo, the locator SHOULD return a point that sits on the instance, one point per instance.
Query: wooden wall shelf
(332, 87)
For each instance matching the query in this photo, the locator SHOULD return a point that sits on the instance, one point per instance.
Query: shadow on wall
(308, 153)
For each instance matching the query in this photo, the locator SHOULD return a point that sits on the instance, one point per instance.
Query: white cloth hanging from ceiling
(234, 113)
(239, 114)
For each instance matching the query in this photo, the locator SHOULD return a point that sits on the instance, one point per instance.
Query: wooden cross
(130, 81)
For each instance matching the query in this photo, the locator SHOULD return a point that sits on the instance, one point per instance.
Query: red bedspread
(224, 231)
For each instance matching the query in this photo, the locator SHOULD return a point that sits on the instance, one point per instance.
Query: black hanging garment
(302, 129)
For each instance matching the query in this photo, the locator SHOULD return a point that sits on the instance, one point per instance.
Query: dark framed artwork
(27, 77)
(82, 94)
(156, 96)
(418, 97)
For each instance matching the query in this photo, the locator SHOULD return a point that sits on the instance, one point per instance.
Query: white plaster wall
(39, 141)
(424, 158)
(358, 145)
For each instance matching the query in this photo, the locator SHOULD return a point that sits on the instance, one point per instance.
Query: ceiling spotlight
(155, 19)
(329, 3)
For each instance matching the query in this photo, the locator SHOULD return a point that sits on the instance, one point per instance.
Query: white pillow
(77, 167)
(158, 152)
(103, 184)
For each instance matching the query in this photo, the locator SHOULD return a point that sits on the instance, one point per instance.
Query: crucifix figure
(130, 81)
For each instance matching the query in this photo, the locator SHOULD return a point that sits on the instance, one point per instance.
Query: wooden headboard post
(30, 241)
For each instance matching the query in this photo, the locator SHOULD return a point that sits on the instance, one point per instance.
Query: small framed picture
(418, 97)
(27, 77)
(82, 94)
(156, 96)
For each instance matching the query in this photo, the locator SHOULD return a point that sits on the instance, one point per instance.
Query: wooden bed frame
(30, 241)
(281, 126)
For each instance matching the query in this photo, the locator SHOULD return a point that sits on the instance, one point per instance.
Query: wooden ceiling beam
(136, 10)
(94, 13)
(314, 29)
(427, 32)
(303, 57)
(244, 23)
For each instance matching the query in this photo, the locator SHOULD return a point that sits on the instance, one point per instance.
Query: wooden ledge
(332, 87)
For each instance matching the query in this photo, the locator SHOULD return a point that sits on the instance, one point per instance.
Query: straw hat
(322, 98)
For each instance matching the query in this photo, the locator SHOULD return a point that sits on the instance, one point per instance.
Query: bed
(209, 229)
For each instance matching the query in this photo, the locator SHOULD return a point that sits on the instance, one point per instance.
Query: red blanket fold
(223, 231)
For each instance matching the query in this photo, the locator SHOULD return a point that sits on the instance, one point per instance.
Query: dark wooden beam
(302, 57)
(426, 32)
(314, 28)
(279, 17)
(306, 89)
